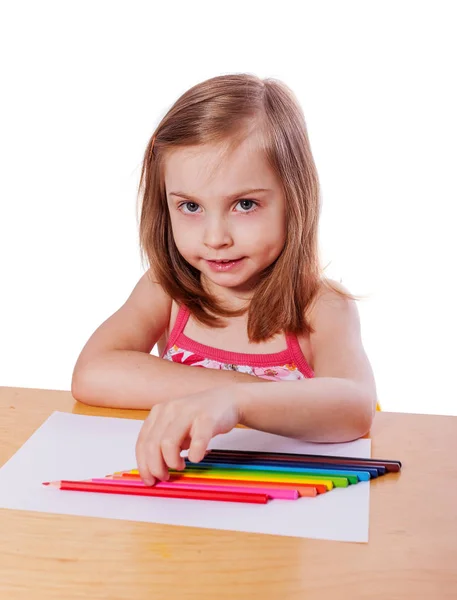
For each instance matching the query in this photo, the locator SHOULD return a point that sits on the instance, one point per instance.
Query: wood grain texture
(412, 552)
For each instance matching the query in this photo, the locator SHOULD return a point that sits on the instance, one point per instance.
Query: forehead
(212, 170)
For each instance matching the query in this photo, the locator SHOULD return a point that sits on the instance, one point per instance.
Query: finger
(143, 447)
(141, 453)
(202, 432)
(171, 454)
(153, 452)
(185, 443)
(172, 443)
(155, 461)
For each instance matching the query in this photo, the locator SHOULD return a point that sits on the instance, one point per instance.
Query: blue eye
(191, 207)
(247, 205)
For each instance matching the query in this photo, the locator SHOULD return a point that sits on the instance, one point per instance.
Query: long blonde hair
(225, 109)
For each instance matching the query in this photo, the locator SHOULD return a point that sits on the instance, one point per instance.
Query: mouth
(224, 264)
(223, 260)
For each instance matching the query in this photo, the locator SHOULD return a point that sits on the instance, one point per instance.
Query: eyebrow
(229, 197)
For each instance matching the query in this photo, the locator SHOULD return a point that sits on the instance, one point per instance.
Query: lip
(224, 266)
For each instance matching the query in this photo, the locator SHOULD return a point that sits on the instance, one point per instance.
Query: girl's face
(233, 211)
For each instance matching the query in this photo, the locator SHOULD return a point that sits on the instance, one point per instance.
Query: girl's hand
(185, 423)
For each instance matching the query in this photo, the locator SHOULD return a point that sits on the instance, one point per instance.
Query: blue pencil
(359, 475)
(373, 471)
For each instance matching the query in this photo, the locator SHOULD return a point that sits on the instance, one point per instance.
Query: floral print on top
(287, 372)
(287, 365)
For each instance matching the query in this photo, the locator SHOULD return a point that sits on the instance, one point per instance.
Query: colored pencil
(373, 471)
(390, 465)
(224, 496)
(265, 474)
(261, 476)
(300, 456)
(352, 476)
(300, 487)
(276, 493)
(303, 490)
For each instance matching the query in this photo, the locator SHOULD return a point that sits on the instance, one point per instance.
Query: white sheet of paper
(69, 446)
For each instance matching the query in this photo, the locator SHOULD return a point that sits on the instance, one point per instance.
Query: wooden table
(412, 552)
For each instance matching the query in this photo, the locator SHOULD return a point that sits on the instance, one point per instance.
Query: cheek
(268, 235)
(185, 239)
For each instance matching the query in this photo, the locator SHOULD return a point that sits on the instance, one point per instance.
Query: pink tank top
(288, 365)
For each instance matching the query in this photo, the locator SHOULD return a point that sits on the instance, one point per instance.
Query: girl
(229, 227)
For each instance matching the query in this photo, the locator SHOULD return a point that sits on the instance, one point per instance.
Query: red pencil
(87, 486)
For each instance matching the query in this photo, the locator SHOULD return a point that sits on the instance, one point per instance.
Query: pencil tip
(46, 483)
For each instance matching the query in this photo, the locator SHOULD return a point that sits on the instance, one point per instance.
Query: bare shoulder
(328, 296)
(336, 342)
(147, 293)
(147, 309)
(330, 310)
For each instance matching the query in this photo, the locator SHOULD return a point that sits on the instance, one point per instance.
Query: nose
(217, 233)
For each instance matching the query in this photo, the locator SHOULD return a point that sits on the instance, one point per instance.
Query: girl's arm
(337, 405)
(130, 379)
(115, 367)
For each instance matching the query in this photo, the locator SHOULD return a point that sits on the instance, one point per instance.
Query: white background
(84, 86)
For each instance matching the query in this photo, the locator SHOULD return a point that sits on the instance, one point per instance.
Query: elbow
(362, 419)
(358, 418)
(82, 390)
(78, 388)
(364, 426)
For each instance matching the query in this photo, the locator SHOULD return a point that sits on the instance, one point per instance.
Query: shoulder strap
(181, 320)
(298, 356)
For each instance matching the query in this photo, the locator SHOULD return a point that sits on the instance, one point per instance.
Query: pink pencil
(279, 494)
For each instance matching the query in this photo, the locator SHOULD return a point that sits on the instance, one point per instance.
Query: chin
(225, 280)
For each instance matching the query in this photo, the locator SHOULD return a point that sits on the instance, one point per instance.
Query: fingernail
(148, 481)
